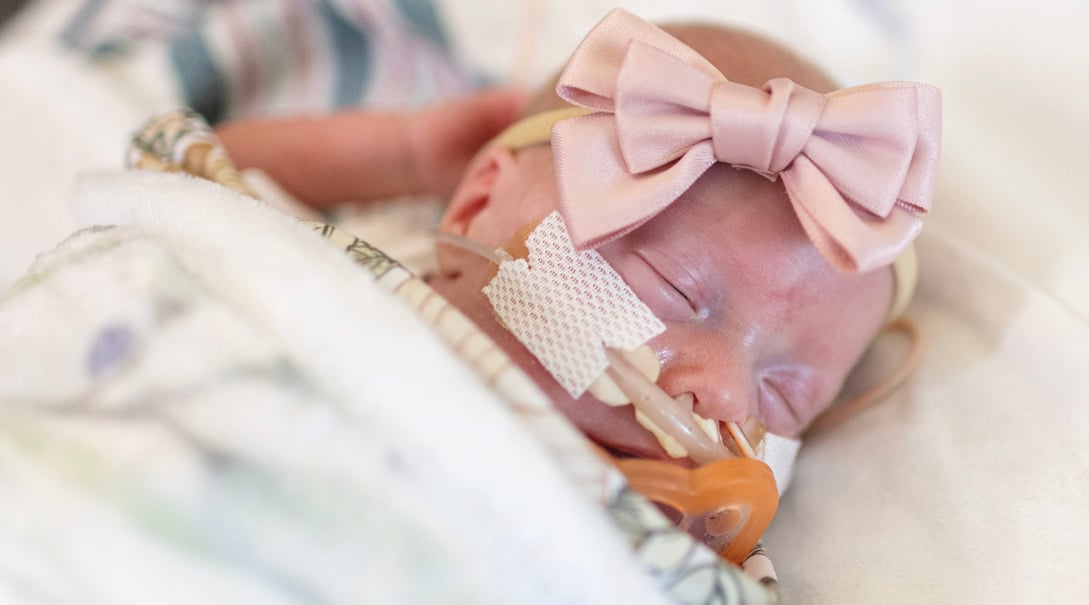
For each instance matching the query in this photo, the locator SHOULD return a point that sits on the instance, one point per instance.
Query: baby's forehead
(730, 211)
(746, 244)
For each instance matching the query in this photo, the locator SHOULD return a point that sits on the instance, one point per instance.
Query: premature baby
(762, 239)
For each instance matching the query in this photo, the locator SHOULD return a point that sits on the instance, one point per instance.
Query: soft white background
(971, 486)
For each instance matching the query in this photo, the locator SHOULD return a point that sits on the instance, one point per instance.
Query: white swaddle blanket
(327, 448)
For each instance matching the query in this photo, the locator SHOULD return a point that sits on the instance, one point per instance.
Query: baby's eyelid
(684, 295)
(692, 304)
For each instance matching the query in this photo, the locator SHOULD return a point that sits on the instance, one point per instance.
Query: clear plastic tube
(664, 411)
(497, 257)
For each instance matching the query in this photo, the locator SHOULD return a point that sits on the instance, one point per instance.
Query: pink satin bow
(858, 164)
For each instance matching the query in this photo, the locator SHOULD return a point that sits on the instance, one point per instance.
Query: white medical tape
(566, 306)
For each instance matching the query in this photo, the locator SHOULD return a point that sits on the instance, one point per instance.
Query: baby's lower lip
(622, 434)
(635, 446)
(616, 429)
(646, 454)
(633, 451)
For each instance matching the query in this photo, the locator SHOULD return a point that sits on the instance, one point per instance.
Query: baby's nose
(723, 394)
(723, 403)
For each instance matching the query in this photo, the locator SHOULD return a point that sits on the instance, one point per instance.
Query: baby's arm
(366, 155)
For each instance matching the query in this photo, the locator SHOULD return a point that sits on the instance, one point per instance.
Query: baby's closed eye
(666, 293)
(785, 399)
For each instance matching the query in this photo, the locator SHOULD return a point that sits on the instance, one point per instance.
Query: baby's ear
(475, 191)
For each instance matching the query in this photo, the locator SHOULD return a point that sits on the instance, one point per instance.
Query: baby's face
(758, 323)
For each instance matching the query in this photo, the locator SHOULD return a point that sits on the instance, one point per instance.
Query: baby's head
(760, 324)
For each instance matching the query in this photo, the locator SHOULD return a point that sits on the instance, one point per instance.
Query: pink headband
(858, 164)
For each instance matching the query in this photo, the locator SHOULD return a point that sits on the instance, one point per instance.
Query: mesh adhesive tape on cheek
(566, 306)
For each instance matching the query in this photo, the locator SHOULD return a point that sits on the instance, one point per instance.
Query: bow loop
(878, 145)
(858, 164)
(655, 125)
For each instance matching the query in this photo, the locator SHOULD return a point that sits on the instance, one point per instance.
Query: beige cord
(496, 257)
(836, 414)
(741, 440)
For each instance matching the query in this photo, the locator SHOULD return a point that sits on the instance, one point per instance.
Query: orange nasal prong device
(727, 504)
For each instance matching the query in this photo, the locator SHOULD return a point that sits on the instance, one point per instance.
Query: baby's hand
(362, 155)
(445, 137)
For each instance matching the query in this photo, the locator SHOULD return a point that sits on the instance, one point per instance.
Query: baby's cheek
(855, 319)
(840, 335)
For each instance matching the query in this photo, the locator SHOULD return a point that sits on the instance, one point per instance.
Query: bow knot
(858, 164)
(762, 129)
